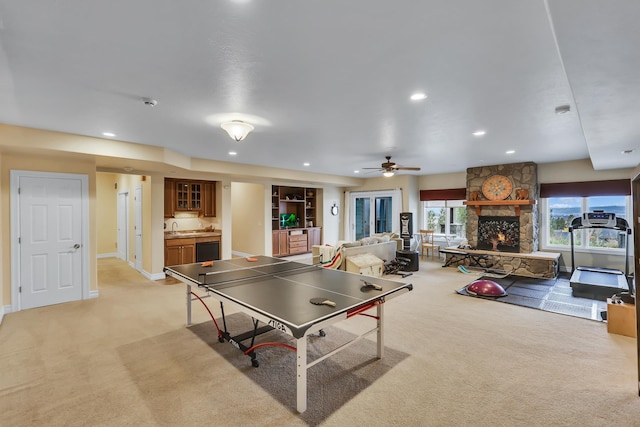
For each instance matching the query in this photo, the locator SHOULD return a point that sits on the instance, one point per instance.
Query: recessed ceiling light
(356, 171)
(510, 151)
(563, 109)
(109, 134)
(627, 151)
(479, 132)
(306, 163)
(232, 153)
(419, 96)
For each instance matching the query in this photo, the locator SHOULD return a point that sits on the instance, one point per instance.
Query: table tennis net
(218, 278)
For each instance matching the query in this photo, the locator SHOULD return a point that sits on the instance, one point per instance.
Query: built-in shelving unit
(296, 235)
(300, 201)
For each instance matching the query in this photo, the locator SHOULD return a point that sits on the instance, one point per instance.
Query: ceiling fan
(389, 168)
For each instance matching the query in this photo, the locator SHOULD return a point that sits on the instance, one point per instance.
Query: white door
(137, 227)
(49, 223)
(123, 226)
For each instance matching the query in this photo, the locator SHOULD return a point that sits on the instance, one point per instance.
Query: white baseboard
(241, 254)
(5, 310)
(113, 255)
(94, 294)
(154, 276)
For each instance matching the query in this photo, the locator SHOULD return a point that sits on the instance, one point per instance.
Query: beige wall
(3, 232)
(44, 163)
(248, 213)
(66, 153)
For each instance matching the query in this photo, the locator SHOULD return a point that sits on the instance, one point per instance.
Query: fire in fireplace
(499, 233)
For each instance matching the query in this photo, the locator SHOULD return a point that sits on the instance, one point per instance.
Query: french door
(374, 212)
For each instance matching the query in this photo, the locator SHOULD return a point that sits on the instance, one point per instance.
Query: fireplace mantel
(515, 203)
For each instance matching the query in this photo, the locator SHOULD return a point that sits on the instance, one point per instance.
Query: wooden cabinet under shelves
(297, 242)
(294, 241)
(179, 251)
(279, 242)
(313, 237)
(189, 196)
(185, 250)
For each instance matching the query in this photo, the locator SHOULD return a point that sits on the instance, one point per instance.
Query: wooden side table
(621, 319)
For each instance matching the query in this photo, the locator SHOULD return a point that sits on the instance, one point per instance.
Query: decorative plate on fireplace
(497, 187)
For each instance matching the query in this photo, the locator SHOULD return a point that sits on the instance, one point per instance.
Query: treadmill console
(599, 219)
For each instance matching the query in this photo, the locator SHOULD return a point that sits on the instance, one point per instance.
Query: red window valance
(450, 194)
(615, 187)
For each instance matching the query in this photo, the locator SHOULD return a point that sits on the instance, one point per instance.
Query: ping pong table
(277, 293)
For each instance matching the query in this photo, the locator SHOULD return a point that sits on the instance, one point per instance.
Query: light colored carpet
(126, 358)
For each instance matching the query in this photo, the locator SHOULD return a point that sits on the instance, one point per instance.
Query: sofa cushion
(352, 244)
(368, 241)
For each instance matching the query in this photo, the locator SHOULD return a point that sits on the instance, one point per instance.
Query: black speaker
(406, 228)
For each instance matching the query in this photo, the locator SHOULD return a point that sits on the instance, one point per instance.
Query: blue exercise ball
(486, 288)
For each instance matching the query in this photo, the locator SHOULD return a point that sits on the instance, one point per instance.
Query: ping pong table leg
(188, 305)
(301, 386)
(380, 335)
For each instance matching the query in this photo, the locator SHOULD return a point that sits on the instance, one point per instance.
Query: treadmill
(594, 282)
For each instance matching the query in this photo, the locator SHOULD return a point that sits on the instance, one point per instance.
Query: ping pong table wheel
(220, 339)
(255, 363)
(322, 333)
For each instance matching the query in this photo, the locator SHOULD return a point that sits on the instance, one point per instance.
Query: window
(447, 217)
(558, 212)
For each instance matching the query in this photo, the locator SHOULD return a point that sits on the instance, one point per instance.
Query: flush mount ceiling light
(237, 129)
(563, 109)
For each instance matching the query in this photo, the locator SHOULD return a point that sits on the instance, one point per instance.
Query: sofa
(382, 245)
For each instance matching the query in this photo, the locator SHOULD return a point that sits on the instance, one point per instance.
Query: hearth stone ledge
(540, 265)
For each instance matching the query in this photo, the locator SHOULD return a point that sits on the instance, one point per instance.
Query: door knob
(76, 246)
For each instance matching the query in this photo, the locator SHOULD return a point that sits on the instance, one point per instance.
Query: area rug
(553, 295)
(330, 383)
(169, 368)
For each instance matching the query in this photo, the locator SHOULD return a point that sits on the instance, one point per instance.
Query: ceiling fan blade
(374, 168)
(406, 168)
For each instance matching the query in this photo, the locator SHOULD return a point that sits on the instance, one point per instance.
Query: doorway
(137, 227)
(374, 212)
(49, 230)
(123, 225)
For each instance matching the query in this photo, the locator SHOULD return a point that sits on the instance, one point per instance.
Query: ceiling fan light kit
(237, 129)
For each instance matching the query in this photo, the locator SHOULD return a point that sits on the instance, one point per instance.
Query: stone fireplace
(524, 179)
(503, 228)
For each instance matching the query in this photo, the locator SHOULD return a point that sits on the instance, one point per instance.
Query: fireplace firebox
(499, 233)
